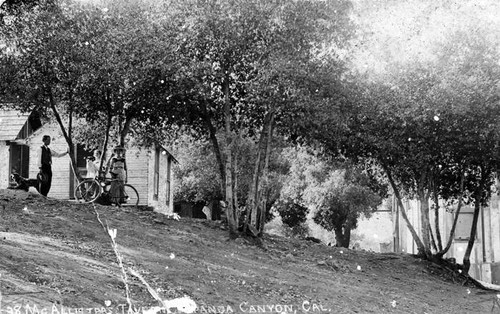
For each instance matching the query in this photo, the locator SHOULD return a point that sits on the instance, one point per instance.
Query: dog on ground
(20, 183)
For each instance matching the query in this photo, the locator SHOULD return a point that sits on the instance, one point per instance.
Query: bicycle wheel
(131, 197)
(88, 191)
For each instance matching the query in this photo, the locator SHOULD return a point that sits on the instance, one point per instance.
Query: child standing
(94, 164)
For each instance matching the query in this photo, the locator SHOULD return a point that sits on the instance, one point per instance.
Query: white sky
(409, 29)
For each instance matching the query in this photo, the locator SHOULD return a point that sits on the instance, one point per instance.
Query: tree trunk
(229, 182)
(234, 174)
(69, 140)
(441, 253)
(212, 131)
(251, 212)
(436, 219)
(436, 226)
(472, 237)
(263, 205)
(433, 240)
(104, 169)
(125, 130)
(254, 208)
(425, 223)
(70, 116)
(420, 245)
(479, 193)
(252, 197)
(231, 219)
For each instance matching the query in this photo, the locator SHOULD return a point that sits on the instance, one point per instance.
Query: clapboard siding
(4, 165)
(164, 201)
(140, 170)
(61, 167)
(11, 123)
(137, 170)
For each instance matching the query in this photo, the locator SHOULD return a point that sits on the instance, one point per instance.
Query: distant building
(485, 255)
(149, 169)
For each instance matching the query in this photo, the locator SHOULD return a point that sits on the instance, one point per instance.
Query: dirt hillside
(56, 258)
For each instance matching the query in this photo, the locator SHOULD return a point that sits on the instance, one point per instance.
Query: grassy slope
(55, 252)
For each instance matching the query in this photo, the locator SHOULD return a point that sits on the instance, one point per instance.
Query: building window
(19, 159)
(156, 182)
(464, 224)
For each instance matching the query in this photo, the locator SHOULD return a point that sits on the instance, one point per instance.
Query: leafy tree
(126, 65)
(423, 120)
(343, 206)
(475, 98)
(43, 59)
(197, 175)
(293, 218)
(94, 66)
(337, 193)
(292, 214)
(13, 7)
(245, 65)
(422, 149)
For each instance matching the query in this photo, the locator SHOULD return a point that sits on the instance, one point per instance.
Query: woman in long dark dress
(118, 171)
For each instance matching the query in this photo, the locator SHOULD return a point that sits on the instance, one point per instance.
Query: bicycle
(89, 190)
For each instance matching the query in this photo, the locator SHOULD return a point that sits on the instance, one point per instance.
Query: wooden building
(15, 128)
(149, 169)
(485, 255)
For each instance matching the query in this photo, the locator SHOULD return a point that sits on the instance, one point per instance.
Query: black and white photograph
(249, 156)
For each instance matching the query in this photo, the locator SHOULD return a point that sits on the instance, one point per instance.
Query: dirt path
(55, 258)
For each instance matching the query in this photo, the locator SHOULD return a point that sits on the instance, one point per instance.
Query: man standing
(45, 155)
